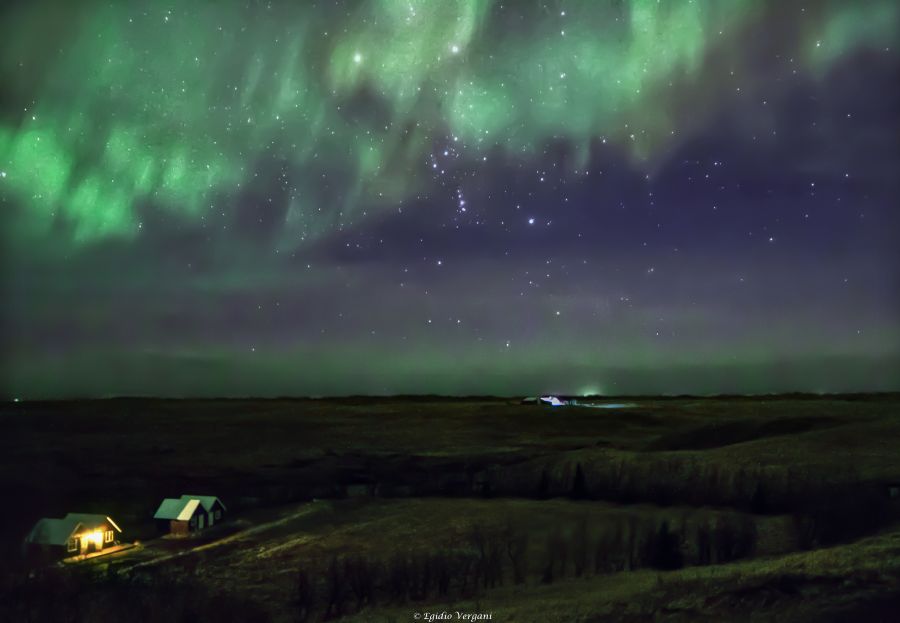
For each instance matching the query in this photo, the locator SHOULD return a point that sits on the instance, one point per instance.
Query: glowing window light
(95, 537)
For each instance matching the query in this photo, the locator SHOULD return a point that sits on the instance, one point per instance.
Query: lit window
(72, 545)
(108, 537)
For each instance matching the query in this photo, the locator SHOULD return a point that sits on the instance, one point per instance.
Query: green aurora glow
(162, 109)
(206, 197)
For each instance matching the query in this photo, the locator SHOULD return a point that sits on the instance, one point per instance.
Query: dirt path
(306, 510)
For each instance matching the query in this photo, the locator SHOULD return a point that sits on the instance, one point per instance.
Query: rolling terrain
(377, 509)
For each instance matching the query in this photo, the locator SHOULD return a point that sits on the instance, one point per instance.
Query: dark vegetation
(672, 484)
(486, 558)
(63, 596)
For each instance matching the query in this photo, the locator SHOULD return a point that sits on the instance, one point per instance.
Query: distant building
(189, 513)
(73, 535)
(552, 401)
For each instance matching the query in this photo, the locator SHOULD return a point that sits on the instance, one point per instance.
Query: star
(231, 149)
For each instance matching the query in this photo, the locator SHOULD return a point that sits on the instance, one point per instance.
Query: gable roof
(92, 519)
(188, 510)
(170, 508)
(50, 531)
(181, 509)
(208, 501)
(53, 531)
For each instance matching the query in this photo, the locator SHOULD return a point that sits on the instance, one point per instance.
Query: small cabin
(76, 534)
(188, 514)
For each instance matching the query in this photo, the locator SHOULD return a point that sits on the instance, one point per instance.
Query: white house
(73, 535)
(189, 513)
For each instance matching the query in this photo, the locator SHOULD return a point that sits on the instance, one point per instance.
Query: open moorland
(682, 509)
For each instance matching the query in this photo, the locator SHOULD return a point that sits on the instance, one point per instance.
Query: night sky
(449, 196)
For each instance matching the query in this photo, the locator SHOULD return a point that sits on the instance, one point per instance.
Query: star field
(462, 196)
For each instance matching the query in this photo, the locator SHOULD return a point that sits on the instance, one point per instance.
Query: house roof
(188, 510)
(53, 531)
(50, 531)
(208, 501)
(181, 509)
(91, 519)
(170, 508)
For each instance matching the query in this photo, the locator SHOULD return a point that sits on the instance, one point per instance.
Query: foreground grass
(796, 471)
(853, 582)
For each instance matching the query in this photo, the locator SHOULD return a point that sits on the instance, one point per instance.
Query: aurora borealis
(455, 196)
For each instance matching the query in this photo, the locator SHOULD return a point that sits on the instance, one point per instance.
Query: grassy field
(377, 509)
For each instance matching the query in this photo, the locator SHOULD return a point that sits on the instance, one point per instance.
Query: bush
(666, 551)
